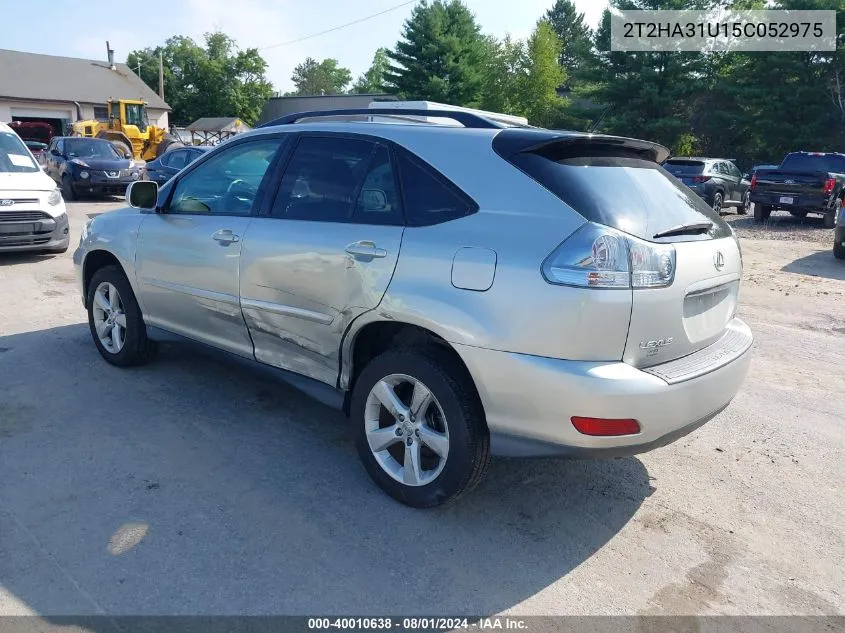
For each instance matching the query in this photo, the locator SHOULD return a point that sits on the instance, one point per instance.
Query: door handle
(225, 236)
(365, 250)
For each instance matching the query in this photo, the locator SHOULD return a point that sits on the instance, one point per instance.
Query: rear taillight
(701, 178)
(597, 256)
(605, 427)
(753, 181)
(829, 184)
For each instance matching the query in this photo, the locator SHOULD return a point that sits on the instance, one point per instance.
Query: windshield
(90, 148)
(627, 193)
(14, 157)
(136, 115)
(832, 163)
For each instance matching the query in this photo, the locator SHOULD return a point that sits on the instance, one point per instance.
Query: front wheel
(838, 250)
(68, 192)
(762, 212)
(421, 432)
(115, 320)
(745, 207)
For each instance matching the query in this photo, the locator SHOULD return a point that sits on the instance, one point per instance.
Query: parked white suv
(458, 291)
(32, 211)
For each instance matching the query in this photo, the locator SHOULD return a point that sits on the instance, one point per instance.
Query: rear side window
(684, 167)
(808, 162)
(429, 198)
(622, 191)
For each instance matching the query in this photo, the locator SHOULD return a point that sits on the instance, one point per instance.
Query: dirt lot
(191, 487)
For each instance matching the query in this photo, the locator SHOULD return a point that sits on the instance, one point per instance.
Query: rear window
(628, 193)
(809, 162)
(684, 167)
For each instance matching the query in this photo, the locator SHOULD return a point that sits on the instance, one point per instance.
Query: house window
(101, 113)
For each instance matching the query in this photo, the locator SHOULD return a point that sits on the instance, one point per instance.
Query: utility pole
(161, 75)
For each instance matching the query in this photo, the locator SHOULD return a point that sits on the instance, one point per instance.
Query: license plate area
(707, 312)
(786, 199)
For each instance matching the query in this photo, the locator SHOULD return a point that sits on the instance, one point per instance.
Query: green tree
(543, 76)
(504, 66)
(440, 56)
(575, 36)
(320, 78)
(372, 81)
(216, 80)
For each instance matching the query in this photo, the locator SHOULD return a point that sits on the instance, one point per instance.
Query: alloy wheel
(406, 430)
(109, 317)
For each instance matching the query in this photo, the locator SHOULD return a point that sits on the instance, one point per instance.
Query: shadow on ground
(13, 259)
(191, 487)
(778, 222)
(818, 264)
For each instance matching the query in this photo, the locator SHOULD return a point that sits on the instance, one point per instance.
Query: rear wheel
(421, 432)
(115, 320)
(717, 202)
(762, 212)
(830, 220)
(746, 204)
(838, 250)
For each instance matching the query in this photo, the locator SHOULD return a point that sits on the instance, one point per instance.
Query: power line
(342, 26)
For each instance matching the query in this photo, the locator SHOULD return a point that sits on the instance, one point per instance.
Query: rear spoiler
(516, 140)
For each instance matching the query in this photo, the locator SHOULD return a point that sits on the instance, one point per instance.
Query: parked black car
(90, 166)
(805, 182)
(717, 180)
(172, 162)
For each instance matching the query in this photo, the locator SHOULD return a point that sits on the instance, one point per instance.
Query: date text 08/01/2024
(418, 623)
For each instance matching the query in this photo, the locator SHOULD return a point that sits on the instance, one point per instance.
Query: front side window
(136, 115)
(14, 156)
(323, 178)
(228, 183)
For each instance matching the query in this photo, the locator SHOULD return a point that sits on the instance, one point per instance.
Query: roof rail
(467, 119)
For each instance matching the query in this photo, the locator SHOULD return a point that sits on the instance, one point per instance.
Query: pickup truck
(805, 182)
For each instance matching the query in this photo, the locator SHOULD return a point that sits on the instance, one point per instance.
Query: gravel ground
(191, 487)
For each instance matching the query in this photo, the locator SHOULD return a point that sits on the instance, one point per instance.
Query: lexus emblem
(789, 182)
(719, 260)
(6, 203)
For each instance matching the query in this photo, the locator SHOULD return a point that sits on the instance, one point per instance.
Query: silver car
(459, 291)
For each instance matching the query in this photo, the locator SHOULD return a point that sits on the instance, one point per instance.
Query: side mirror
(127, 155)
(55, 152)
(142, 194)
(373, 200)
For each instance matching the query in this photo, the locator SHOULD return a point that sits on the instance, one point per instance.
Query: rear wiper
(695, 228)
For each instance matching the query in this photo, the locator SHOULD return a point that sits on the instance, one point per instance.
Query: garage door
(41, 113)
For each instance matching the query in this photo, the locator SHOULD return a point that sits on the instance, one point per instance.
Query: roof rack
(467, 119)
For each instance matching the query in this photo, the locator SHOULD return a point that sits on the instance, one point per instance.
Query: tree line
(753, 107)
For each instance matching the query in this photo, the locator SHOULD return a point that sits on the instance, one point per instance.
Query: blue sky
(259, 23)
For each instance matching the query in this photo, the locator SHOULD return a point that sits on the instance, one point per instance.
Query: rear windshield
(631, 194)
(683, 167)
(808, 162)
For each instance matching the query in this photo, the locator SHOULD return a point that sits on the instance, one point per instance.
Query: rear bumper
(48, 234)
(818, 203)
(529, 400)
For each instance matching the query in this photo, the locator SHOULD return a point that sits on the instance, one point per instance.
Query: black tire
(762, 212)
(830, 220)
(798, 213)
(745, 206)
(137, 348)
(169, 142)
(123, 148)
(718, 201)
(838, 250)
(468, 457)
(68, 192)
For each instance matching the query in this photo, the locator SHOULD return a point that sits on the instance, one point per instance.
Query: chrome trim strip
(285, 310)
(190, 290)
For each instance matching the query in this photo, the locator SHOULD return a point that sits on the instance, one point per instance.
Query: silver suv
(458, 290)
